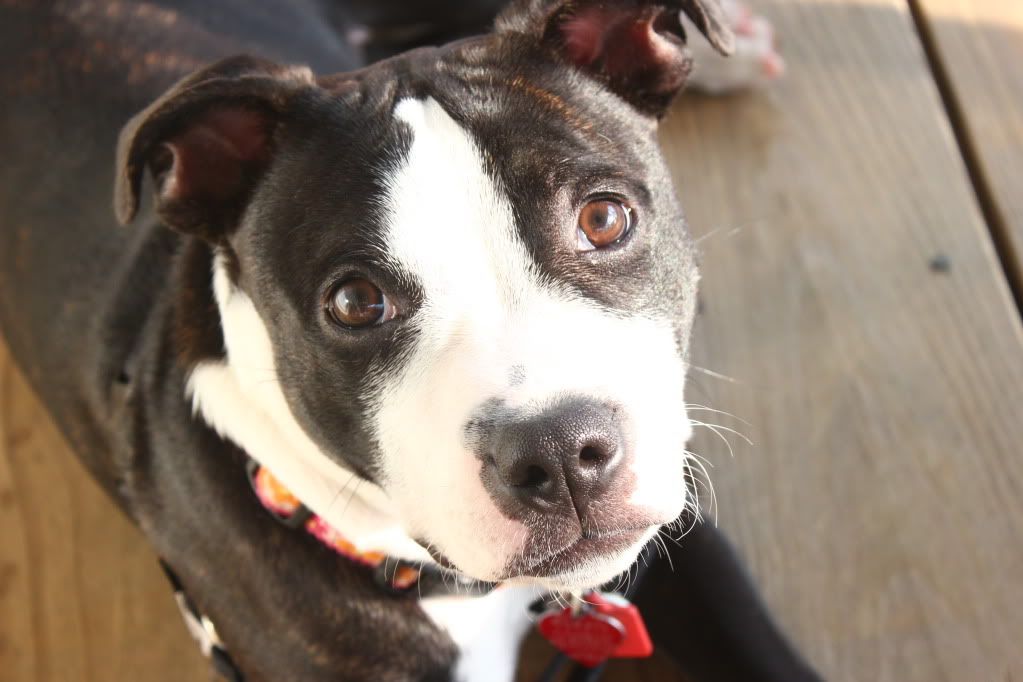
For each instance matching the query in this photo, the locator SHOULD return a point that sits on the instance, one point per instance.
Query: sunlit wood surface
(880, 504)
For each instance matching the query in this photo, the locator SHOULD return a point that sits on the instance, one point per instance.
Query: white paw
(756, 61)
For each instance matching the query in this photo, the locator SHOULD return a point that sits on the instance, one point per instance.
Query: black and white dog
(445, 299)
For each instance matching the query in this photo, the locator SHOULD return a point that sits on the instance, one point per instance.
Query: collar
(397, 576)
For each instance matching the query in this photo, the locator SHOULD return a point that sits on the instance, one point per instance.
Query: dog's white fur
(488, 630)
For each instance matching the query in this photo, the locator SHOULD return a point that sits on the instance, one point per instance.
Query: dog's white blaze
(487, 312)
(242, 400)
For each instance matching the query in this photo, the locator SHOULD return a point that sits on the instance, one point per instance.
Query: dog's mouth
(587, 547)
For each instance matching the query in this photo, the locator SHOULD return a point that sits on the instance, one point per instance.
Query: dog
(425, 315)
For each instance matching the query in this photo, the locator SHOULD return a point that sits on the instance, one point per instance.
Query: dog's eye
(357, 302)
(603, 222)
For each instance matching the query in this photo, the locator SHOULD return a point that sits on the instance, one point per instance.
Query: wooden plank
(978, 45)
(881, 506)
(81, 595)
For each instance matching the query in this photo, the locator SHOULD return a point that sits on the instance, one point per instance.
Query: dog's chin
(585, 564)
(554, 556)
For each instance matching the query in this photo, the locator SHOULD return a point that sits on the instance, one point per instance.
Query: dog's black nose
(567, 454)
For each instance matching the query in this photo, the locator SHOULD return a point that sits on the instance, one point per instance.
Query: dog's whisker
(693, 503)
(662, 549)
(658, 545)
(697, 406)
(714, 429)
(701, 458)
(697, 480)
(673, 540)
(727, 429)
(337, 495)
(696, 517)
(633, 578)
(716, 375)
(725, 233)
(704, 478)
(692, 492)
(622, 580)
(351, 497)
(666, 538)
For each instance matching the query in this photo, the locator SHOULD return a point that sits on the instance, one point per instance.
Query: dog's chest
(488, 630)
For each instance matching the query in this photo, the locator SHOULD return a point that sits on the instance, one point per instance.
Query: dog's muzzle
(560, 461)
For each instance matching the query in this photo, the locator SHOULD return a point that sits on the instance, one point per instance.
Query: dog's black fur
(106, 322)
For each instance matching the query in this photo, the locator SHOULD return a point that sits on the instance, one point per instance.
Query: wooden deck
(862, 230)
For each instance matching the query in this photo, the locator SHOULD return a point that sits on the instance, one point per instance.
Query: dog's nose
(566, 454)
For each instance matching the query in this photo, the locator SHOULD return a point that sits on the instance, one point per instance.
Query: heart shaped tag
(588, 638)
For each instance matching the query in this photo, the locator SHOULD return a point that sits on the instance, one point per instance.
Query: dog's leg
(756, 61)
(703, 610)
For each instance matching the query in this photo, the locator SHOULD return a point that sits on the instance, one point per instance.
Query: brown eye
(359, 303)
(603, 222)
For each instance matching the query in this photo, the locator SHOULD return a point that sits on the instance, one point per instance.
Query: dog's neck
(240, 397)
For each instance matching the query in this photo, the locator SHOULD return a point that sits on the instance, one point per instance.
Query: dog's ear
(206, 142)
(637, 47)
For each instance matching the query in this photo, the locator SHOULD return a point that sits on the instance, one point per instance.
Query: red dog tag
(637, 642)
(589, 637)
(608, 626)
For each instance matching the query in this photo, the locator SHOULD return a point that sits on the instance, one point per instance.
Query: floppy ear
(637, 47)
(206, 142)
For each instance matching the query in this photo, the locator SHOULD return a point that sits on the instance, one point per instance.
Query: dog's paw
(755, 62)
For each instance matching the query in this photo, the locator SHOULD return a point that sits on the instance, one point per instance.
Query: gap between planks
(994, 217)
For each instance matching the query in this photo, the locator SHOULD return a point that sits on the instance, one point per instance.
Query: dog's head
(463, 271)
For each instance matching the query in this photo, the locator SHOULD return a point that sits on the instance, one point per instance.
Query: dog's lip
(588, 544)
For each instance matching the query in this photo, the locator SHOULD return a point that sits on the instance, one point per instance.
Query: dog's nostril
(535, 477)
(591, 455)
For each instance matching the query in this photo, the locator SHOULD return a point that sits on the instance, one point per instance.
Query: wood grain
(979, 48)
(81, 596)
(881, 505)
